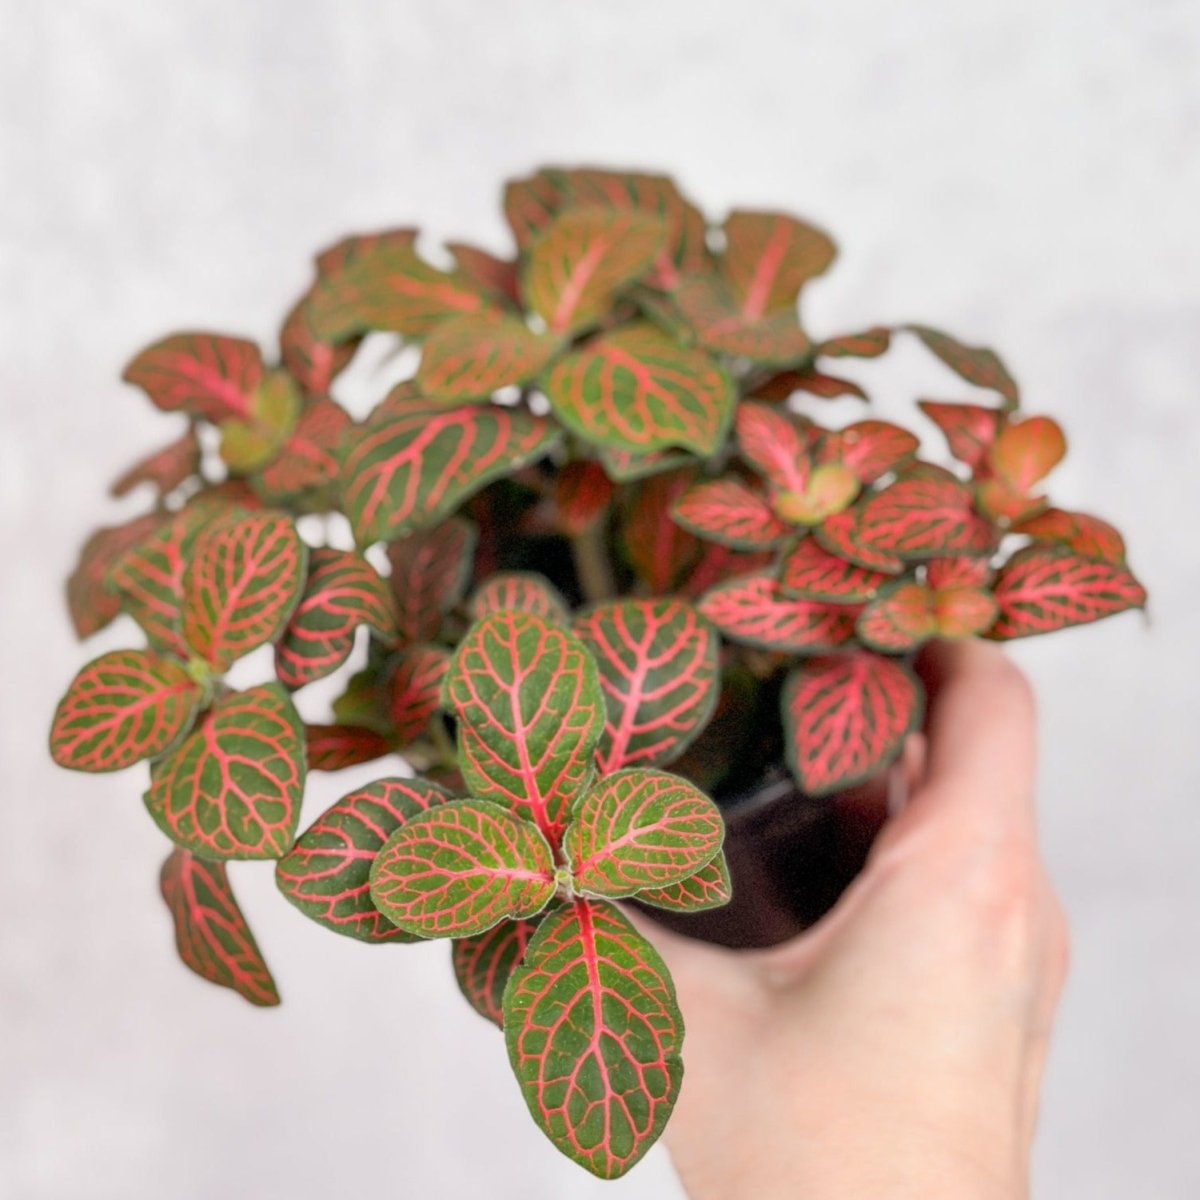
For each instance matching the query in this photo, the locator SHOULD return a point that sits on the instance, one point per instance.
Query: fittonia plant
(604, 509)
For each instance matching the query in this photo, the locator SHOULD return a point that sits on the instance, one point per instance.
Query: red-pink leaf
(206, 375)
(594, 1036)
(975, 364)
(211, 933)
(841, 535)
(721, 327)
(768, 258)
(582, 493)
(1027, 451)
(529, 711)
(232, 788)
(869, 448)
(470, 357)
(1085, 534)
(484, 962)
(582, 259)
(828, 387)
(415, 690)
(90, 603)
(810, 572)
(846, 717)
(718, 563)
(312, 362)
(326, 874)
(754, 611)
(638, 829)
(969, 429)
(335, 747)
(727, 511)
(659, 550)
(430, 570)
(342, 592)
(308, 457)
(241, 585)
(122, 707)
(1044, 588)
(165, 469)
(773, 445)
(460, 868)
(871, 343)
(958, 573)
(922, 518)
(521, 590)
(486, 271)
(659, 673)
(900, 619)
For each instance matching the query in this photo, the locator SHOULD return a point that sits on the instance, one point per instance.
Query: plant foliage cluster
(607, 527)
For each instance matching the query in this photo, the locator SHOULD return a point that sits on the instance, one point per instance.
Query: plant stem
(592, 565)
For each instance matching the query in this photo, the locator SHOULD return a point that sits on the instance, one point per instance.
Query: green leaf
(461, 868)
(250, 442)
(211, 933)
(308, 458)
(638, 829)
(122, 707)
(594, 1036)
(721, 327)
(206, 375)
(411, 469)
(232, 788)
(768, 258)
(326, 874)
(709, 887)
(582, 259)
(484, 961)
(469, 358)
(527, 698)
(637, 389)
(342, 592)
(240, 586)
(659, 672)
(524, 591)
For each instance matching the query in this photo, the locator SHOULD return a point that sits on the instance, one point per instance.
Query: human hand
(896, 1049)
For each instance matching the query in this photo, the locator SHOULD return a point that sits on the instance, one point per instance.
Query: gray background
(1024, 173)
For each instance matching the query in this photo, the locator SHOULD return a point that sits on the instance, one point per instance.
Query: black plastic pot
(790, 857)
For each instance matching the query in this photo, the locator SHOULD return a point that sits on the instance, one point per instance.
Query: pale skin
(896, 1049)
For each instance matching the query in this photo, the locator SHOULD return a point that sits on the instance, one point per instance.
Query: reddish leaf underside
(240, 586)
(408, 471)
(1044, 588)
(460, 868)
(430, 570)
(90, 603)
(342, 592)
(659, 549)
(753, 610)
(530, 711)
(484, 961)
(576, 266)
(969, 429)
(638, 389)
(326, 874)
(211, 933)
(122, 707)
(164, 469)
(335, 747)
(659, 672)
(582, 493)
(232, 788)
(637, 829)
(846, 717)
(871, 343)
(594, 1036)
(206, 375)
(415, 690)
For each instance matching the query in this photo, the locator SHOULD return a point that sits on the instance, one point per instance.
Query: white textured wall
(1025, 173)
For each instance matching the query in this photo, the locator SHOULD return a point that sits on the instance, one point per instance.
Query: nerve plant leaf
(91, 604)
(484, 961)
(1087, 535)
(470, 357)
(729, 512)
(706, 888)
(164, 469)
(721, 327)
(637, 829)
(868, 449)
(910, 613)
(415, 689)
(658, 547)
(969, 429)
(529, 709)
(430, 570)
(342, 592)
(638, 389)
(521, 590)
(335, 747)
(326, 874)
(308, 457)
(810, 572)
(582, 494)
(122, 707)
(232, 788)
(594, 1036)
(408, 471)
(846, 716)
(975, 364)
(240, 586)
(211, 933)
(754, 610)
(924, 518)
(1044, 588)
(658, 666)
(871, 343)
(206, 375)
(460, 868)
(576, 266)
(841, 535)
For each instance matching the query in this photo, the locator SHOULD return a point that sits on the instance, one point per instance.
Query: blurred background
(1024, 174)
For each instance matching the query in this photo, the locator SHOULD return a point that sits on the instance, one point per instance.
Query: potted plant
(623, 565)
